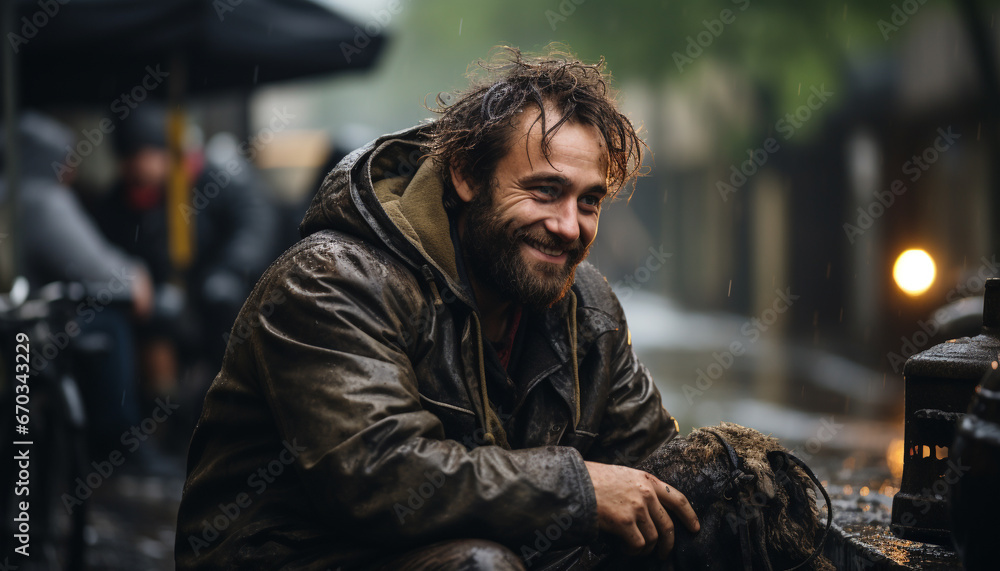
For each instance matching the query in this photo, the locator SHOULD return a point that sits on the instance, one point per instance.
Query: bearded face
(494, 246)
(530, 226)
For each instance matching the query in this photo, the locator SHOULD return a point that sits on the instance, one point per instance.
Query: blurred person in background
(59, 242)
(349, 137)
(234, 228)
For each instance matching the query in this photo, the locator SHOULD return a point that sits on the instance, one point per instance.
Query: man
(234, 229)
(431, 378)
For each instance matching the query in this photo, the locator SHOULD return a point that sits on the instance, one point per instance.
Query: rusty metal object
(940, 383)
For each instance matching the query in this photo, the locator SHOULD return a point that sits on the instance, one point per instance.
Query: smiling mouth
(549, 252)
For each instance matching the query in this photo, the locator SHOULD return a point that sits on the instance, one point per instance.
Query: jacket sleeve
(337, 374)
(635, 422)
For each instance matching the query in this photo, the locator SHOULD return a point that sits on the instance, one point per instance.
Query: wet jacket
(356, 414)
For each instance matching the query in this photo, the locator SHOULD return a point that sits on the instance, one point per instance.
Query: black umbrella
(96, 50)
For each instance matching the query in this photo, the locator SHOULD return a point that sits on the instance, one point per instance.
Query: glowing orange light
(894, 457)
(914, 271)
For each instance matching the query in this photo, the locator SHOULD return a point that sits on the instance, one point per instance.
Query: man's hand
(633, 505)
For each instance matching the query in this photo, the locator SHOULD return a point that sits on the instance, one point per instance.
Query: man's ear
(463, 187)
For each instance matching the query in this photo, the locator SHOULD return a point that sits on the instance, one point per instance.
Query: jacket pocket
(581, 440)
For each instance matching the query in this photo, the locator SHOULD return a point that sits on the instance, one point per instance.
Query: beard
(492, 247)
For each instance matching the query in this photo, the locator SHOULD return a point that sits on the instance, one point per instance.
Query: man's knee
(484, 555)
(457, 555)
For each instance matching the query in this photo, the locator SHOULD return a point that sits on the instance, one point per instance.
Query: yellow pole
(180, 228)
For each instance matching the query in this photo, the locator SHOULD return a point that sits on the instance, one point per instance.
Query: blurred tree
(781, 46)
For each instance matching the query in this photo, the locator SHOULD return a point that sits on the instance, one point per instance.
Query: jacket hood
(389, 192)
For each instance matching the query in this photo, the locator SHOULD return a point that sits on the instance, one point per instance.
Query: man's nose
(564, 221)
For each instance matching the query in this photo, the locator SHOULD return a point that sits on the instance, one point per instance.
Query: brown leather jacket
(349, 421)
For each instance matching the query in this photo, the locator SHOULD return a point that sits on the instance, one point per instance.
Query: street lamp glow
(914, 271)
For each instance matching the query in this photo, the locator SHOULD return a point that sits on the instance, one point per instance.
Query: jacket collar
(548, 348)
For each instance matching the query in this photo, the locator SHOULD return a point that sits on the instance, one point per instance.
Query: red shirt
(506, 347)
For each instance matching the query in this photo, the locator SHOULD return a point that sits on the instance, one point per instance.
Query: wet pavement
(861, 540)
(132, 522)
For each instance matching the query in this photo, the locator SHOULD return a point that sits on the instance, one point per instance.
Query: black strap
(829, 508)
(738, 477)
(736, 474)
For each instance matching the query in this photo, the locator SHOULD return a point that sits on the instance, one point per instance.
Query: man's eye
(547, 190)
(591, 200)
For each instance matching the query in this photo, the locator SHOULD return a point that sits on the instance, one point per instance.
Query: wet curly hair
(475, 128)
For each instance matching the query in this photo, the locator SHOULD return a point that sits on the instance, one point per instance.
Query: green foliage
(778, 44)
(780, 48)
